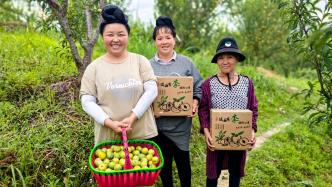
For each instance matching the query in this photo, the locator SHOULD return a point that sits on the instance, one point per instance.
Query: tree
(263, 34)
(194, 20)
(311, 35)
(7, 11)
(10, 15)
(79, 22)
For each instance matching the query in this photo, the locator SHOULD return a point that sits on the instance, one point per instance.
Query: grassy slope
(296, 157)
(43, 135)
(48, 137)
(29, 60)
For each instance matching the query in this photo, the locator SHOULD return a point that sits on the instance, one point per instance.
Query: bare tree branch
(101, 3)
(96, 35)
(65, 8)
(53, 4)
(92, 37)
(88, 22)
(60, 13)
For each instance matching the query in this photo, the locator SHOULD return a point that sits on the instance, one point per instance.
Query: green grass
(29, 60)
(299, 156)
(45, 138)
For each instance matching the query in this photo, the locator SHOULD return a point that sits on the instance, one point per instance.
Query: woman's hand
(253, 140)
(129, 121)
(195, 108)
(208, 139)
(116, 126)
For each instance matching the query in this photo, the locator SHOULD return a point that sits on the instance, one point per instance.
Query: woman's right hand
(116, 126)
(208, 139)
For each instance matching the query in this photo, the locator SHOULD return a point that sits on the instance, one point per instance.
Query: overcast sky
(142, 9)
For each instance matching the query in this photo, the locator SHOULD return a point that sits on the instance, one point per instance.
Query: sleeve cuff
(137, 113)
(199, 99)
(101, 119)
(204, 126)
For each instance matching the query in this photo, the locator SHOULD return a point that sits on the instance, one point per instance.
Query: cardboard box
(231, 129)
(175, 96)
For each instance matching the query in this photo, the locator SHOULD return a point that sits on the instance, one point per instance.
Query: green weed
(29, 60)
(297, 157)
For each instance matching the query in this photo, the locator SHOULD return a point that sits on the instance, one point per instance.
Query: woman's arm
(197, 90)
(204, 111)
(198, 80)
(204, 118)
(253, 107)
(90, 106)
(149, 95)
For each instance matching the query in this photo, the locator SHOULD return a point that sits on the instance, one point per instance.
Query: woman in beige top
(118, 88)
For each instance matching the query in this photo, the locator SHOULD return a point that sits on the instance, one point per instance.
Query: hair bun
(114, 14)
(164, 21)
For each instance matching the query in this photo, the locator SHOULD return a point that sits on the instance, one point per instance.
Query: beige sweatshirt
(118, 87)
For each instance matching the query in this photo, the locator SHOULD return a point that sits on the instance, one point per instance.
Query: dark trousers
(233, 165)
(182, 160)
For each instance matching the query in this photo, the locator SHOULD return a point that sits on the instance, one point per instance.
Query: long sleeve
(198, 80)
(149, 95)
(204, 108)
(90, 106)
(253, 106)
(88, 82)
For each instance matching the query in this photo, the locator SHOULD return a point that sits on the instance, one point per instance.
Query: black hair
(163, 22)
(113, 14)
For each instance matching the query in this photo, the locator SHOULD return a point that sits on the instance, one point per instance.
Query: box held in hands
(231, 129)
(175, 96)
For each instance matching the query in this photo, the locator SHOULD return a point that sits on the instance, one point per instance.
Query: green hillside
(45, 137)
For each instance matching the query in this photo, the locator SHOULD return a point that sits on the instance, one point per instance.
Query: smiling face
(115, 38)
(227, 62)
(165, 42)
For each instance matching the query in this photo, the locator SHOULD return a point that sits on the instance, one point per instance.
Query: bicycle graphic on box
(176, 106)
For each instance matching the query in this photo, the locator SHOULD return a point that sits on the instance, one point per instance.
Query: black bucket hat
(228, 45)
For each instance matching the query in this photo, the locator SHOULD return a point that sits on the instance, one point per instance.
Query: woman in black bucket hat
(226, 90)
(228, 46)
